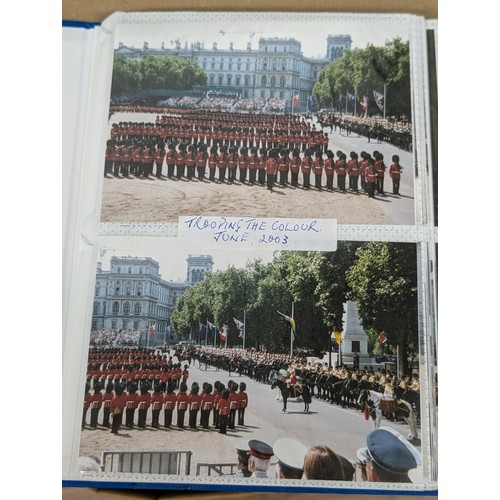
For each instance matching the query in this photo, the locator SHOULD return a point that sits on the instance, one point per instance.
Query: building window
(140, 270)
(220, 79)
(119, 269)
(113, 325)
(212, 79)
(264, 80)
(229, 79)
(273, 81)
(117, 291)
(247, 80)
(282, 82)
(238, 80)
(137, 309)
(96, 308)
(126, 308)
(116, 308)
(136, 325)
(356, 346)
(130, 270)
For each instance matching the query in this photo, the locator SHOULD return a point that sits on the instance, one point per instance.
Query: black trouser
(252, 174)
(370, 188)
(329, 181)
(222, 174)
(180, 418)
(94, 413)
(243, 175)
(84, 418)
(283, 177)
(232, 419)
(129, 417)
(306, 180)
(192, 418)
(295, 178)
(159, 167)
(117, 422)
(395, 186)
(262, 176)
(141, 421)
(341, 182)
(211, 175)
(241, 416)
(270, 181)
(155, 418)
(380, 185)
(105, 417)
(170, 171)
(223, 421)
(317, 181)
(205, 416)
(201, 173)
(168, 417)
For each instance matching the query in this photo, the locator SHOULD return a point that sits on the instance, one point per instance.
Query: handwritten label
(253, 232)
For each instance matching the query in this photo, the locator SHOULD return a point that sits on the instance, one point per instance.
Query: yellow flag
(338, 337)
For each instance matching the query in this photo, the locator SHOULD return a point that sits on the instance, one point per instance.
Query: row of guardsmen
(226, 405)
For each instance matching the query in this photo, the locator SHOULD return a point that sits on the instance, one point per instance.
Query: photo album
(250, 252)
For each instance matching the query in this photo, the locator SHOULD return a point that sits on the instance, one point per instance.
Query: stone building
(133, 296)
(277, 69)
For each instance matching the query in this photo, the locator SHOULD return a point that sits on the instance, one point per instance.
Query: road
(344, 430)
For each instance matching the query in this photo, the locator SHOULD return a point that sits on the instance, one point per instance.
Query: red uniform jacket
(224, 407)
(182, 401)
(194, 401)
(170, 400)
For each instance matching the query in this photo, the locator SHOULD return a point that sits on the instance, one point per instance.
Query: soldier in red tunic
(159, 158)
(212, 163)
(341, 169)
(106, 400)
(194, 404)
(201, 161)
(87, 400)
(354, 170)
(182, 405)
(222, 163)
(116, 406)
(170, 160)
(295, 163)
(271, 169)
(131, 404)
(223, 407)
(207, 405)
(169, 404)
(395, 174)
(242, 403)
(329, 169)
(143, 404)
(95, 404)
(306, 169)
(318, 169)
(156, 404)
(243, 164)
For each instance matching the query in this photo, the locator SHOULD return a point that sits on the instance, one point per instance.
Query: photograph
(295, 368)
(261, 115)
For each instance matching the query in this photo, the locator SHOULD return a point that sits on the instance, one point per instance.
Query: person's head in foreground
(321, 462)
(388, 457)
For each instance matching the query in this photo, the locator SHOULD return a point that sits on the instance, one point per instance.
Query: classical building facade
(277, 69)
(132, 295)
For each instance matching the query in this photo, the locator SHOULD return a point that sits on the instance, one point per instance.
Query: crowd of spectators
(111, 337)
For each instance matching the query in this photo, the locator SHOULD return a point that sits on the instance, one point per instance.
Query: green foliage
(360, 71)
(383, 283)
(154, 72)
(379, 277)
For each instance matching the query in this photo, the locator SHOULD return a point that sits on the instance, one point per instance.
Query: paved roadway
(343, 430)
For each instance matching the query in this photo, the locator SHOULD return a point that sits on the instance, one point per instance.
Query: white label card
(254, 232)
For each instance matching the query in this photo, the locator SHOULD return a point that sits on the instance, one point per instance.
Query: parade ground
(342, 429)
(139, 200)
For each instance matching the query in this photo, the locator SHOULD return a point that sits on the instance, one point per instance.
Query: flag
(382, 338)
(312, 102)
(291, 321)
(364, 102)
(338, 337)
(296, 100)
(379, 99)
(223, 332)
(167, 331)
(240, 326)
(202, 328)
(350, 97)
(211, 327)
(152, 330)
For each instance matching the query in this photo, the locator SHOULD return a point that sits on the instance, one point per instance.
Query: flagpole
(244, 328)
(385, 95)
(206, 333)
(291, 335)
(227, 334)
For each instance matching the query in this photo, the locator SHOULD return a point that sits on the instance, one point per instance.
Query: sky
(310, 29)
(171, 258)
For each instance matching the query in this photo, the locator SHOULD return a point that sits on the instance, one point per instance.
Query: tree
(126, 76)
(383, 283)
(171, 72)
